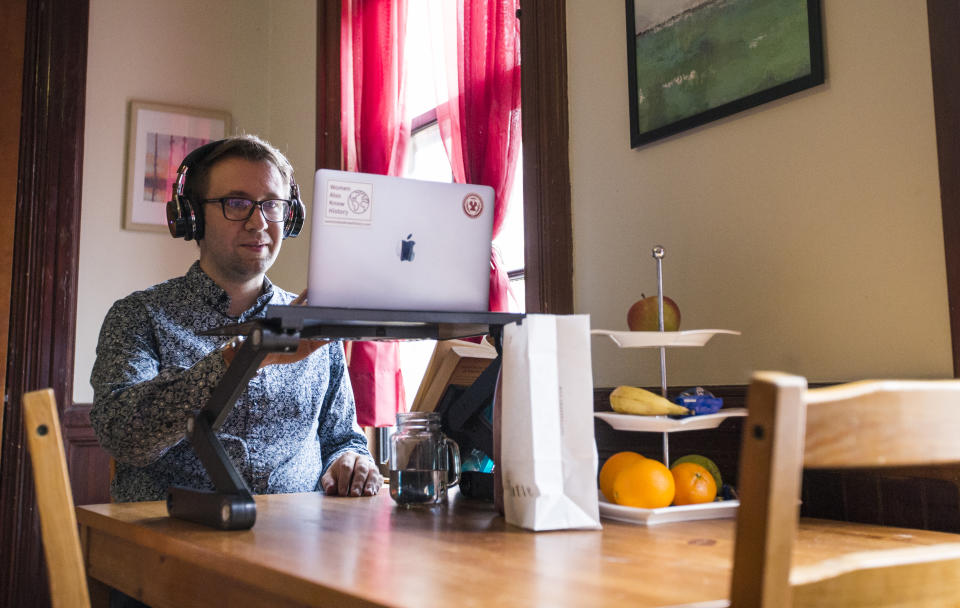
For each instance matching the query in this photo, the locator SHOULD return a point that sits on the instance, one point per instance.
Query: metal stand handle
(658, 253)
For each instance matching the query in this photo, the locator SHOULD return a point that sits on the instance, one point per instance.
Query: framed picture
(160, 136)
(694, 61)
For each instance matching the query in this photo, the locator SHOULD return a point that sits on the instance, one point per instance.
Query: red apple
(643, 315)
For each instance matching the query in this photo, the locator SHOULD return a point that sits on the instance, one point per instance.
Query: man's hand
(305, 347)
(352, 475)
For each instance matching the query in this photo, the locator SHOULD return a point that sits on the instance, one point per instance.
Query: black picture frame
(662, 116)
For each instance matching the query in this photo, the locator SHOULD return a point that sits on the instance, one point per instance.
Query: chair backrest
(58, 520)
(862, 424)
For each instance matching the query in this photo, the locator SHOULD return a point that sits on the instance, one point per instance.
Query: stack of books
(454, 363)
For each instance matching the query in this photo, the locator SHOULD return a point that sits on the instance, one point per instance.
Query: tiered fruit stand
(666, 424)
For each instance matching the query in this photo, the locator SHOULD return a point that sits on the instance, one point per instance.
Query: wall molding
(328, 85)
(547, 219)
(77, 431)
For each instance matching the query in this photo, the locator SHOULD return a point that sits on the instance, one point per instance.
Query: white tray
(648, 339)
(650, 517)
(666, 424)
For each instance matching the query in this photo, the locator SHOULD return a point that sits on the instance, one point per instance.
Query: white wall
(255, 59)
(811, 223)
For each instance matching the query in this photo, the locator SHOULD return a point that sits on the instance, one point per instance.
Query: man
(294, 428)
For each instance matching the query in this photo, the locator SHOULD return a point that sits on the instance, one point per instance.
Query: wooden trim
(328, 85)
(76, 426)
(90, 465)
(548, 231)
(13, 16)
(44, 288)
(943, 17)
(419, 123)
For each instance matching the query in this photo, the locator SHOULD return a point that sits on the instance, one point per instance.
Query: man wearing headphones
(294, 428)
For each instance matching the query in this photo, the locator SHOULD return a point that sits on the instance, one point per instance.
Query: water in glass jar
(416, 487)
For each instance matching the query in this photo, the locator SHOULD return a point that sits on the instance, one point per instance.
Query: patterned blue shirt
(153, 370)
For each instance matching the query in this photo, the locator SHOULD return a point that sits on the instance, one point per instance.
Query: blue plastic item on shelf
(699, 401)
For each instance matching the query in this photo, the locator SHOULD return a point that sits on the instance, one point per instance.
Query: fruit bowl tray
(722, 509)
(649, 339)
(666, 424)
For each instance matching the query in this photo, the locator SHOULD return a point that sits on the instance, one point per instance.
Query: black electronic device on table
(230, 506)
(466, 416)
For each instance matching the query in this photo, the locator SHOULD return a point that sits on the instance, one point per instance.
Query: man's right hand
(305, 348)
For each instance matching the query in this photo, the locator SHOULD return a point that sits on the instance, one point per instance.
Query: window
(426, 159)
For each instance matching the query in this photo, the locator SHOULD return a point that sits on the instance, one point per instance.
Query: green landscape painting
(693, 61)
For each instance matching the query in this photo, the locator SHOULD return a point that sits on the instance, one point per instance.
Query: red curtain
(479, 113)
(374, 136)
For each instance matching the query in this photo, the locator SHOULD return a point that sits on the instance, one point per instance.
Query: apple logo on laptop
(406, 249)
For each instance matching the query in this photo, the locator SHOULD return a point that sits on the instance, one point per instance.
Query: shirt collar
(210, 294)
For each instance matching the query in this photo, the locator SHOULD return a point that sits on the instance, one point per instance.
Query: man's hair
(248, 147)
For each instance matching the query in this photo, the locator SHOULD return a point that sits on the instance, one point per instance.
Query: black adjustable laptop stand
(230, 506)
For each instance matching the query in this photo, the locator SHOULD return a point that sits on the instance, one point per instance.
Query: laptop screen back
(392, 243)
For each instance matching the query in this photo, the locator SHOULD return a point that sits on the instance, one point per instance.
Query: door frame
(943, 21)
(43, 295)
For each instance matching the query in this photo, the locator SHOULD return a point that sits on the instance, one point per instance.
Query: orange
(646, 484)
(612, 467)
(694, 484)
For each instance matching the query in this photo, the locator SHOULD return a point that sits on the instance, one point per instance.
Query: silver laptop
(392, 243)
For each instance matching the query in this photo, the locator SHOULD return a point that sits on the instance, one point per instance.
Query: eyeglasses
(240, 209)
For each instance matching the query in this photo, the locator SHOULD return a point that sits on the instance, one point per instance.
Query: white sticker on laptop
(348, 203)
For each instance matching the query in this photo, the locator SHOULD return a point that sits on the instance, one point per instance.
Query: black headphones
(185, 219)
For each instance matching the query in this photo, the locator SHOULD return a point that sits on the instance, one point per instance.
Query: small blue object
(476, 460)
(699, 401)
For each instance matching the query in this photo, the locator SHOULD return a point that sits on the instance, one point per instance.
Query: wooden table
(310, 550)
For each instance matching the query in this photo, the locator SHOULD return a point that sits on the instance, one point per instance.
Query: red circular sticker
(472, 205)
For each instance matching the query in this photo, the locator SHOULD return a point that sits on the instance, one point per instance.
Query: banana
(633, 400)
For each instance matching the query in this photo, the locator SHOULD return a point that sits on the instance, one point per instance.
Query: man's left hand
(352, 475)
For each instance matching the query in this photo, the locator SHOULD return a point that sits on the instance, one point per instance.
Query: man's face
(239, 251)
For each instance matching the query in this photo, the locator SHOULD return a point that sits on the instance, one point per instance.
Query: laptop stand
(230, 506)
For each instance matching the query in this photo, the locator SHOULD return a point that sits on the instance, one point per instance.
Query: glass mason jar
(420, 460)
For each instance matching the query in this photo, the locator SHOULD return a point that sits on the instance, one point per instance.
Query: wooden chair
(861, 424)
(58, 520)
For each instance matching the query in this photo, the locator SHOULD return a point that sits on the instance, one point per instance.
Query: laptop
(391, 243)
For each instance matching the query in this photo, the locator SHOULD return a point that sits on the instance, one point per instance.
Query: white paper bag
(548, 455)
